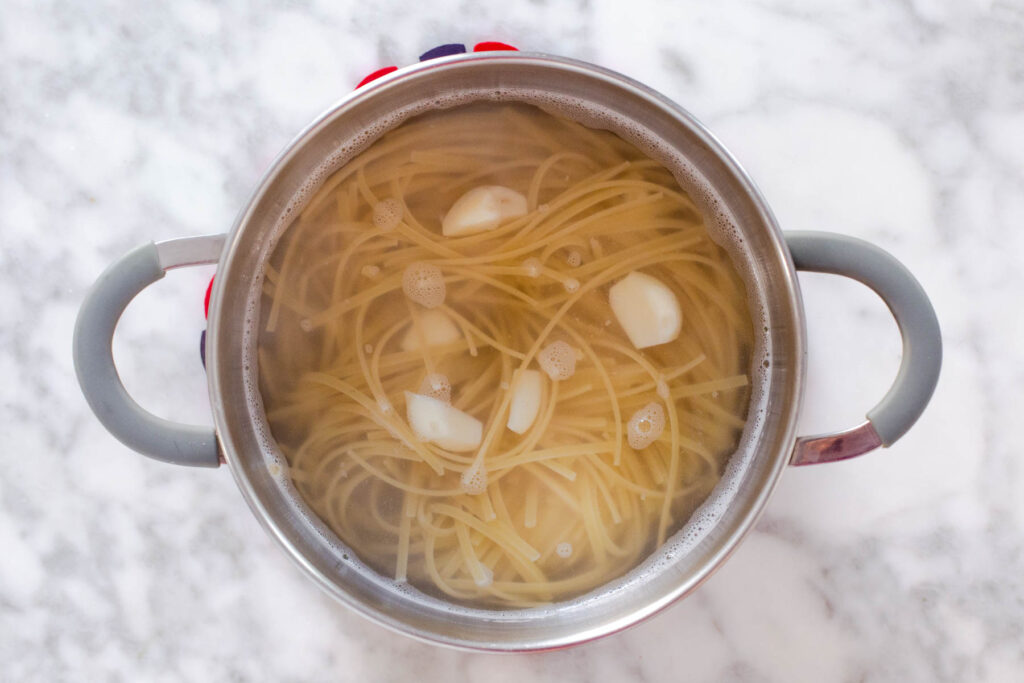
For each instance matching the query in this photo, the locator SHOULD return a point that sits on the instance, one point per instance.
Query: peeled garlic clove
(436, 421)
(481, 209)
(437, 329)
(527, 389)
(647, 310)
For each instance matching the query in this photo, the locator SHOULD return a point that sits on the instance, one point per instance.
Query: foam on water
(532, 267)
(474, 479)
(436, 385)
(424, 283)
(387, 214)
(720, 224)
(646, 426)
(558, 360)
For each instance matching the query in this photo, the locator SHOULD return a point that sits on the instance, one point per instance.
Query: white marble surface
(899, 122)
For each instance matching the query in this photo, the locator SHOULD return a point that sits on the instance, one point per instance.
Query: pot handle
(101, 310)
(823, 252)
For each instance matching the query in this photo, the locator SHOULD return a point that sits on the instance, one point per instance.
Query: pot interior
(730, 204)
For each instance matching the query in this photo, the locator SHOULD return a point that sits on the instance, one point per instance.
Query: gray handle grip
(94, 361)
(899, 409)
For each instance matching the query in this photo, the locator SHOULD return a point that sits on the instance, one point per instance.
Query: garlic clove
(647, 309)
(435, 421)
(527, 390)
(481, 209)
(438, 330)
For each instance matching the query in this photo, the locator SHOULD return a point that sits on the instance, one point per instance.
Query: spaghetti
(568, 504)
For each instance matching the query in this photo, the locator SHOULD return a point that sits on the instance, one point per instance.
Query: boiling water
(326, 260)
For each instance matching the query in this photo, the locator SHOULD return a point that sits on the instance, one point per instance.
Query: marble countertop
(898, 122)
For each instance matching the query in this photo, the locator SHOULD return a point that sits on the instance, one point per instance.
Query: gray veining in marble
(898, 122)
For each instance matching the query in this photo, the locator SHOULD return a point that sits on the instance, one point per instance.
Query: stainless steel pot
(770, 259)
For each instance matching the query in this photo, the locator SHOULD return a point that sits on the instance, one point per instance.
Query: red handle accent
(493, 46)
(206, 301)
(377, 74)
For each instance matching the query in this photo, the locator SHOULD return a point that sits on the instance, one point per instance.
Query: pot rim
(785, 439)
